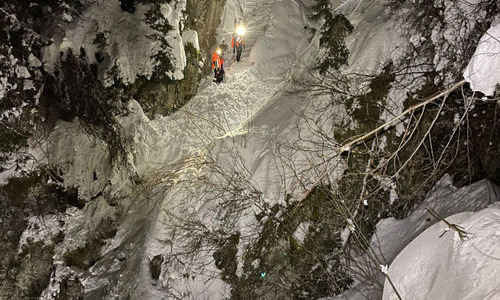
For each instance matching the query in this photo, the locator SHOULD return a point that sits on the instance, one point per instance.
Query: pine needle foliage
(334, 30)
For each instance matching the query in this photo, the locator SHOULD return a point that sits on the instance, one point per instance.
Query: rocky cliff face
(34, 95)
(164, 96)
(204, 17)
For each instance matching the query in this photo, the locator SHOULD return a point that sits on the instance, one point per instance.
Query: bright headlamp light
(240, 30)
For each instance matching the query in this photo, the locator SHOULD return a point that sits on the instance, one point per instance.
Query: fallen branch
(366, 136)
(462, 234)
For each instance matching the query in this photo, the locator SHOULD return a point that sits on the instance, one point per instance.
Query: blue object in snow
(263, 274)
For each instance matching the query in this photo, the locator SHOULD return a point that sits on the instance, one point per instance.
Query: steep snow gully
(220, 114)
(167, 149)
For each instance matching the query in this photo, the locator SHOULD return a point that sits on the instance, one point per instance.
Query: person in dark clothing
(237, 41)
(239, 45)
(128, 5)
(220, 76)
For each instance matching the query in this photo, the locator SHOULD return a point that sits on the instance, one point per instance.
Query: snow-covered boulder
(191, 36)
(392, 235)
(437, 266)
(483, 71)
(446, 199)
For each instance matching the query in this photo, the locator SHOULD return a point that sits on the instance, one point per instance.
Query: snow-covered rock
(441, 266)
(446, 199)
(483, 71)
(191, 36)
(124, 42)
(392, 236)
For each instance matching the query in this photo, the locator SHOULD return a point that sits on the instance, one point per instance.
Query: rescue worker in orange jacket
(218, 65)
(238, 43)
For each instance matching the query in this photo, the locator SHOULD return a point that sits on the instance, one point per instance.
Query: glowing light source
(240, 30)
(219, 51)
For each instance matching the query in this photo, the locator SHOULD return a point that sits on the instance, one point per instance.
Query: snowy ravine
(166, 193)
(165, 150)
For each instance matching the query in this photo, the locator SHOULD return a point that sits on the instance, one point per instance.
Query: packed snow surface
(483, 71)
